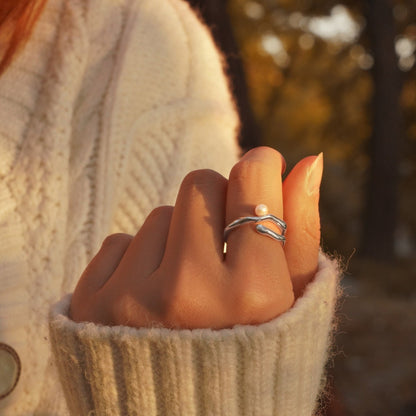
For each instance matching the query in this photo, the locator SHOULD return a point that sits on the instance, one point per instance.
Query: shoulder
(160, 47)
(154, 20)
(170, 24)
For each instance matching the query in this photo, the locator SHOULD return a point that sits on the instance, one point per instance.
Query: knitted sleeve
(169, 105)
(272, 369)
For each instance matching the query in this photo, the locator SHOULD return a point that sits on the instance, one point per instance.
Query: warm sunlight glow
(338, 26)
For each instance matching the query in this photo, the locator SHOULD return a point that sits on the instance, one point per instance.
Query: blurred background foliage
(309, 67)
(339, 76)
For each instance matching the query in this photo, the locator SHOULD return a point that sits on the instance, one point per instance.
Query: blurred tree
(318, 79)
(380, 215)
(214, 13)
(310, 93)
(309, 66)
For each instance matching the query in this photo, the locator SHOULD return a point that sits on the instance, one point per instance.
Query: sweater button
(10, 367)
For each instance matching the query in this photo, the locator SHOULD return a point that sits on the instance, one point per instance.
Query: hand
(173, 273)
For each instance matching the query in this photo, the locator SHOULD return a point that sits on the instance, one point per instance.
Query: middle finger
(255, 179)
(198, 218)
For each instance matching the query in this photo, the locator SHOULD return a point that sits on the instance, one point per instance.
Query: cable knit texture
(108, 106)
(271, 369)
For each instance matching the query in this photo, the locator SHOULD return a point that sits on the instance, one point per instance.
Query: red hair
(17, 18)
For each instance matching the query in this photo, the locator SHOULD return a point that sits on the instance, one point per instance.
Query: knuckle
(78, 310)
(245, 170)
(269, 152)
(201, 178)
(109, 308)
(121, 309)
(257, 303)
(172, 308)
(162, 211)
(252, 303)
(115, 240)
(177, 305)
(254, 164)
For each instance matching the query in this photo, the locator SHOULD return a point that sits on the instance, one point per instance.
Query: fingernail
(314, 175)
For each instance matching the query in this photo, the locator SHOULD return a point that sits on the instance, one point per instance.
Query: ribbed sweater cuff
(272, 369)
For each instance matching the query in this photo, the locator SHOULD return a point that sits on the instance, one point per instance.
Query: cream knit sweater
(108, 106)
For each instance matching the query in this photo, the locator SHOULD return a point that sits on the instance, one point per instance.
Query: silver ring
(260, 228)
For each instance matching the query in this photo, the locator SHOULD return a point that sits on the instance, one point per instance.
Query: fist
(174, 272)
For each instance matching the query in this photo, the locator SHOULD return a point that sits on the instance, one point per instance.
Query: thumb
(301, 213)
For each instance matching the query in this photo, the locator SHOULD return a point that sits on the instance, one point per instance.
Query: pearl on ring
(261, 210)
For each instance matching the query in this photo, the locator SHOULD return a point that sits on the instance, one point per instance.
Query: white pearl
(261, 210)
